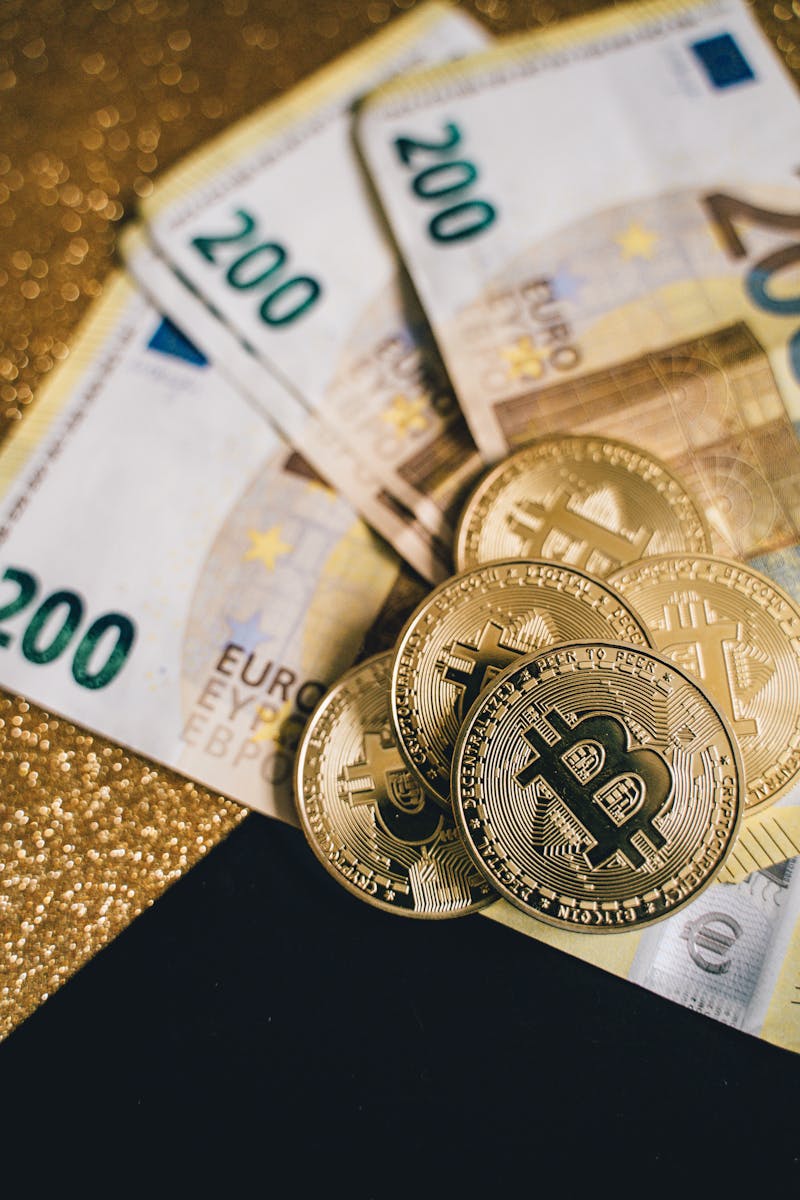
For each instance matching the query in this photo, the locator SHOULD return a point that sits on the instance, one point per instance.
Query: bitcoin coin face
(366, 817)
(739, 635)
(598, 787)
(591, 502)
(472, 627)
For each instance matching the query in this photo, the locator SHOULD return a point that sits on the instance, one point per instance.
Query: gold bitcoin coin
(597, 786)
(365, 816)
(594, 503)
(739, 634)
(473, 626)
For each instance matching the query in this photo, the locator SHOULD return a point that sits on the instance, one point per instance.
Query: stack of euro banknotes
(336, 324)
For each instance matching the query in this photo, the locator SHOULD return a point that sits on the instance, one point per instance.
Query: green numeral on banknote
(44, 639)
(452, 177)
(724, 211)
(258, 265)
(55, 623)
(444, 179)
(206, 245)
(408, 147)
(242, 279)
(303, 289)
(117, 655)
(27, 588)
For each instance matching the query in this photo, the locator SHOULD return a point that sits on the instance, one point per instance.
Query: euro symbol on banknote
(710, 940)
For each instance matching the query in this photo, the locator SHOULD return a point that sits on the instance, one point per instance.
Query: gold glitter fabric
(96, 97)
(89, 836)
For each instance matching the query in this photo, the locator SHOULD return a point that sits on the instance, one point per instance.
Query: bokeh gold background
(96, 98)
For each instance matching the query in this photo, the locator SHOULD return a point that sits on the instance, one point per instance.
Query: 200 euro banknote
(177, 578)
(273, 225)
(172, 574)
(603, 224)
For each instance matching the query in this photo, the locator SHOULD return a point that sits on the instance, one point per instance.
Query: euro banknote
(323, 447)
(176, 577)
(732, 954)
(603, 224)
(172, 574)
(273, 225)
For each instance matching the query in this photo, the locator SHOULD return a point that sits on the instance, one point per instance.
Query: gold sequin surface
(90, 835)
(98, 96)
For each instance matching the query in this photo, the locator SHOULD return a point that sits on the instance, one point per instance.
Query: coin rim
(310, 836)
(634, 926)
(446, 801)
(762, 805)
(496, 472)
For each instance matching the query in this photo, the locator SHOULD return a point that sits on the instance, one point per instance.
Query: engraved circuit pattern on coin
(738, 633)
(366, 817)
(597, 786)
(592, 502)
(472, 627)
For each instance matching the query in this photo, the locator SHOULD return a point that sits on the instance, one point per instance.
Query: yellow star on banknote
(321, 489)
(266, 547)
(271, 723)
(637, 242)
(524, 359)
(406, 415)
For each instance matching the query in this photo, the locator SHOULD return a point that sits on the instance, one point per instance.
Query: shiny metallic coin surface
(738, 633)
(473, 626)
(593, 503)
(365, 816)
(598, 787)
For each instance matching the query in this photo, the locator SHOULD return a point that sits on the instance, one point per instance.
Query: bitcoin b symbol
(612, 791)
(533, 523)
(486, 659)
(691, 633)
(383, 781)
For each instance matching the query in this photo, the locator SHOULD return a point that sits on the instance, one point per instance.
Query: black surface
(259, 1014)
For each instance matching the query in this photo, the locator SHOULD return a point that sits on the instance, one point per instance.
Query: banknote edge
(97, 325)
(565, 34)
(322, 86)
